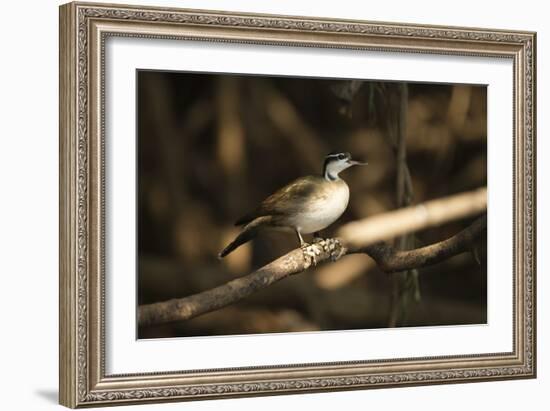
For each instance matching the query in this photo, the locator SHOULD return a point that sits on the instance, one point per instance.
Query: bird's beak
(357, 163)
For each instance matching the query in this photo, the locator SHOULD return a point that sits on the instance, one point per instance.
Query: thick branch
(293, 262)
(228, 293)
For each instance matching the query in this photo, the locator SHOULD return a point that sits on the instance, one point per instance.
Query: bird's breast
(323, 209)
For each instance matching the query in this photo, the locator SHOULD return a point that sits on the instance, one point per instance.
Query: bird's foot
(310, 253)
(332, 246)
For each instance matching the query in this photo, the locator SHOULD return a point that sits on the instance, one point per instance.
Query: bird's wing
(285, 200)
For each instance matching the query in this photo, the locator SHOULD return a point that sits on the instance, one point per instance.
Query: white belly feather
(323, 211)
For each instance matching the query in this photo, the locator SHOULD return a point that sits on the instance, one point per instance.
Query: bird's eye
(341, 156)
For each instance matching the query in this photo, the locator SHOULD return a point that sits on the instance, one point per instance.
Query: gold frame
(83, 30)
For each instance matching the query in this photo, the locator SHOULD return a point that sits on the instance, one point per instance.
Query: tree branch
(292, 263)
(390, 260)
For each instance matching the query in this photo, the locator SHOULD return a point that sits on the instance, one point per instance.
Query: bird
(307, 205)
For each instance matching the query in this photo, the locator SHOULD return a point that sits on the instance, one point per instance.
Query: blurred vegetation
(211, 147)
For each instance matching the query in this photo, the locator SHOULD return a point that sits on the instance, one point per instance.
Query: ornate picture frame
(84, 28)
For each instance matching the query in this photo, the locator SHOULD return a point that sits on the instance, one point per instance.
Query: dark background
(211, 147)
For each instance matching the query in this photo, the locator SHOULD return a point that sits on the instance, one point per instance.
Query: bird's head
(337, 162)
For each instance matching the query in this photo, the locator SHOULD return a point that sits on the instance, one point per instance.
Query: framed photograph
(259, 204)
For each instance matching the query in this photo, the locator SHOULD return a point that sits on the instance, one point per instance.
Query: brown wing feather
(285, 200)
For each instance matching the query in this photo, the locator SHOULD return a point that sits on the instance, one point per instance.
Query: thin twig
(390, 260)
(404, 194)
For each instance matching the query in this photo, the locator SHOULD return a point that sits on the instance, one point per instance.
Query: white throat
(334, 168)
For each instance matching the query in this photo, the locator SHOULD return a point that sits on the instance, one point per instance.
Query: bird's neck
(331, 176)
(329, 173)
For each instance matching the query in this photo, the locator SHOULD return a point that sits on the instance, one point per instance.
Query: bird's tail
(249, 232)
